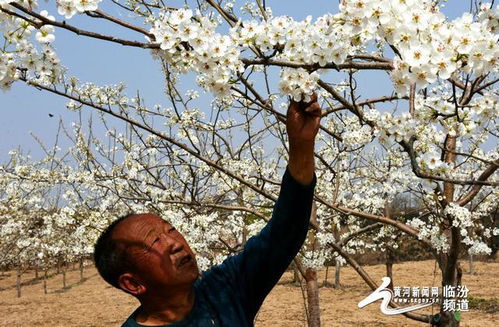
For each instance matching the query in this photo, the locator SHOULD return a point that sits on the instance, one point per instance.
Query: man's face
(159, 252)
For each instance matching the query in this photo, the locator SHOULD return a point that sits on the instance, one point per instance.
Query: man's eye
(172, 229)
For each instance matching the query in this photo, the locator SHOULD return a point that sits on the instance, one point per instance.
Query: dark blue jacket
(230, 294)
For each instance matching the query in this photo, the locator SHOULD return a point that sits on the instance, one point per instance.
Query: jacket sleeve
(265, 256)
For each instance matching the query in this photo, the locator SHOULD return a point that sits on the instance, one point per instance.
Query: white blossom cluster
(428, 45)
(22, 56)
(5, 2)
(68, 8)
(479, 248)
(395, 128)
(316, 259)
(431, 232)
(432, 161)
(461, 216)
(194, 45)
(489, 16)
(32, 231)
(465, 220)
(457, 120)
(298, 83)
(355, 135)
(8, 72)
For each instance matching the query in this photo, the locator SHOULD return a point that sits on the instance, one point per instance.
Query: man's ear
(130, 284)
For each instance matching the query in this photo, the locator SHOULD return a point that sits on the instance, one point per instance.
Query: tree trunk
(63, 276)
(296, 275)
(449, 262)
(45, 281)
(390, 258)
(81, 269)
(450, 276)
(446, 319)
(314, 312)
(324, 284)
(472, 269)
(36, 273)
(18, 281)
(459, 274)
(337, 268)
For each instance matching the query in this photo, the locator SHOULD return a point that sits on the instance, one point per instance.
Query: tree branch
(78, 31)
(312, 67)
(476, 188)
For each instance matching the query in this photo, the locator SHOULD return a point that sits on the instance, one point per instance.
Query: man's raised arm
(255, 271)
(302, 124)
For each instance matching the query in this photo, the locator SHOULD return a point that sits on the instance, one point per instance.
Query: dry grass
(93, 303)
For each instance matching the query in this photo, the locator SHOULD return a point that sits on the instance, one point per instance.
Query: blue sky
(25, 110)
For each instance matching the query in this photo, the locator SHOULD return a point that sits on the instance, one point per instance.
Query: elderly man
(148, 258)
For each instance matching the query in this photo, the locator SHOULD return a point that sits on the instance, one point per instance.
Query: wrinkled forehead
(136, 228)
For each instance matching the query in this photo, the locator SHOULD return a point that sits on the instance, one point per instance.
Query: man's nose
(174, 245)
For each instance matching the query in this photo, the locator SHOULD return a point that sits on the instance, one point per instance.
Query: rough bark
(337, 274)
(390, 258)
(314, 312)
(63, 276)
(449, 261)
(45, 281)
(18, 282)
(296, 274)
(459, 272)
(81, 269)
(314, 316)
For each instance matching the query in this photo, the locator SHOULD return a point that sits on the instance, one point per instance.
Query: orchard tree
(214, 171)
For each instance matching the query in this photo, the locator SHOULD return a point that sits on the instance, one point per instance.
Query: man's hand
(302, 124)
(303, 119)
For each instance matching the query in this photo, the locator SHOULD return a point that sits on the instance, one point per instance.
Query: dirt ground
(93, 303)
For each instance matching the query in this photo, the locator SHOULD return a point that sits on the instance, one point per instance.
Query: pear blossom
(86, 5)
(298, 83)
(431, 160)
(66, 8)
(44, 34)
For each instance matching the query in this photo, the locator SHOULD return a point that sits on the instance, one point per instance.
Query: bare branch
(476, 188)
(101, 14)
(365, 102)
(167, 138)
(78, 31)
(312, 67)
